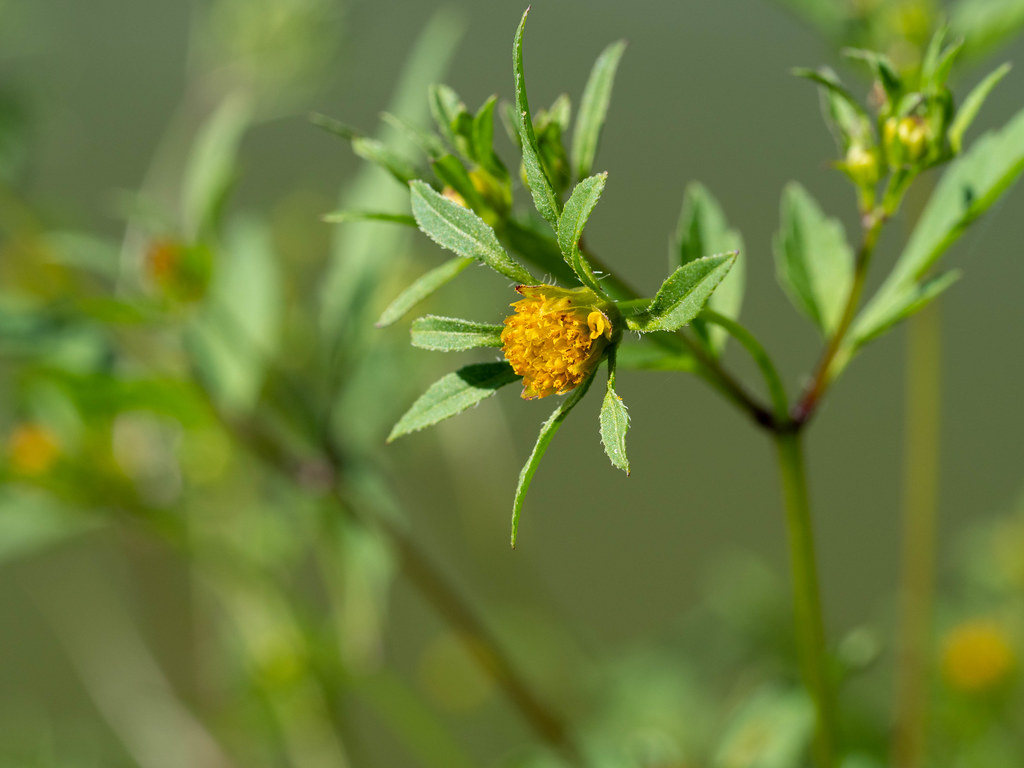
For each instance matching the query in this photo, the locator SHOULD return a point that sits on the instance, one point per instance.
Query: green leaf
(427, 142)
(452, 394)
(774, 724)
(547, 432)
(544, 197)
(593, 108)
(703, 230)
(378, 153)
(969, 187)
(451, 172)
(340, 217)
(986, 24)
(483, 140)
(234, 338)
(883, 70)
(461, 231)
(450, 334)
(332, 126)
(571, 223)
(211, 165)
(683, 295)
(446, 106)
(900, 307)
(813, 261)
(972, 105)
(826, 78)
(425, 285)
(614, 422)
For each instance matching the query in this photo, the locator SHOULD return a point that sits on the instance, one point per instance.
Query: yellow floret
(977, 656)
(555, 339)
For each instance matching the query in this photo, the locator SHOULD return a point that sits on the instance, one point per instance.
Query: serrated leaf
(451, 334)
(461, 231)
(813, 261)
(547, 432)
(452, 394)
(614, 422)
(900, 307)
(971, 184)
(341, 217)
(683, 294)
(571, 223)
(378, 153)
(593, 109)
(210, 168)
(972, 105)
(541, 188)
(703, 230)
(424, 285)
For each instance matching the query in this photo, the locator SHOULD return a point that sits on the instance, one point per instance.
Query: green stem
(920, 482)
(810, 629)
(776, 389)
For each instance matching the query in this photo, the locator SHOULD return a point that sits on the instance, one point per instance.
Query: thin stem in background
(810, 628)
(920, 494)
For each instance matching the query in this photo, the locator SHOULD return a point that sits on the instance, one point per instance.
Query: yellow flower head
(556, 338)
(977, 656)
(32, 449)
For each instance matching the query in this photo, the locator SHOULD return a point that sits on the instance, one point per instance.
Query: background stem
(920, 486)
(810, 629)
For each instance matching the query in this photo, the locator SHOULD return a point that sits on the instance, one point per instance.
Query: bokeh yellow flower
(977, 656)
(32, 450)
(556, 338)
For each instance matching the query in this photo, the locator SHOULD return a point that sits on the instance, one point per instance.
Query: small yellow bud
(454, 196)
(861, 164)
(913, 135)
(977, 656)
(32, 449)
(556, 338)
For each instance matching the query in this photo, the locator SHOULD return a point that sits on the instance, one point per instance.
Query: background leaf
(972, 105)
(452, 394)
(813, 261)
(593, 107)
(449, 334)
(425, 285)
(461, 231)
(683, 294)
(702, 231)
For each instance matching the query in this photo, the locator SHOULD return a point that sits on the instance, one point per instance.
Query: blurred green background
(605, 563)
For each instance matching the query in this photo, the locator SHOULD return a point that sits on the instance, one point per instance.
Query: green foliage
(421, 288)
(571, 223)
(614, 422)
(593, 108)
(450, 334)
(461, 231)
(972, 105)
(813, 262)
(683, 294)
(452, 394)
(547, 433)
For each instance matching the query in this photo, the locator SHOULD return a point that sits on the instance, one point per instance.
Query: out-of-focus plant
(460, 195)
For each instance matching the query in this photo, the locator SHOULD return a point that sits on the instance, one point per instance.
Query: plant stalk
(810, 628)
(920, 484)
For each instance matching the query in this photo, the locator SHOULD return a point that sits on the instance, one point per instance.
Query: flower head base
(556, 337)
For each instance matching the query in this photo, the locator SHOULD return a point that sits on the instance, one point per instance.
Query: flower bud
(861, 165)
(556, 337)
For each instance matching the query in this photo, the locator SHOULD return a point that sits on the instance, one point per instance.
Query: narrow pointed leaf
(571, 223)
(547, 432)
(452, 394)
(445, 107)
(425, 285)
(341, 217)
(683, 295)
(544, 197)
(427, 142)
(814, 263)
(593, 108)
(614, 423)
(378, 153)
(483, 139)
(969, 187)
(901, 307)
(703, 230)
(972, 105)
(461, 231)
(451, 334)
(827, 79)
